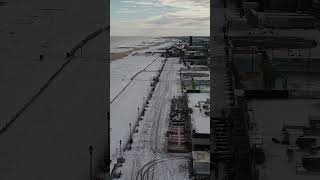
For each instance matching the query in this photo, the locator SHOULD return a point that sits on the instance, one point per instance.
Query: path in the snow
(131, 79)
(148, 158)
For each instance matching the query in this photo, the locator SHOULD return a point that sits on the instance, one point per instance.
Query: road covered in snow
(147, 158)
(130, 80)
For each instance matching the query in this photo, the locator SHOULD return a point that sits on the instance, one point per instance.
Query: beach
(120, 55)
(124, 46)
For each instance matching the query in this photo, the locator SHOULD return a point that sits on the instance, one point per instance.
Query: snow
(130, 80)
(124, 110)
(122, 70)
(164, 45)
(201, 122)
(126, 43)
(271, 115)
(148, 155)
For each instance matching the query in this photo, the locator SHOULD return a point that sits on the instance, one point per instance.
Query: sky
(160, 17)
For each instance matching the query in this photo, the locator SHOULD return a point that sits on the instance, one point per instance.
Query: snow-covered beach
(122, 46)
(130, 79)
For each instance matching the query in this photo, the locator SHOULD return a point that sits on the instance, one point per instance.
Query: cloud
(192, 16)
(143, 3)
(186, 17)
(126, 10)
(186, 3)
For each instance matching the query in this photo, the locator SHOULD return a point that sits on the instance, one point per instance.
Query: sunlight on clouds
(186, 17)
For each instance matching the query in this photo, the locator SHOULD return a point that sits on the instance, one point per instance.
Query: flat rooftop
(200, 121)
(197, 68)
(200, 74)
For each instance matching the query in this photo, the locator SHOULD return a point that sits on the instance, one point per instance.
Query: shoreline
(120, 55)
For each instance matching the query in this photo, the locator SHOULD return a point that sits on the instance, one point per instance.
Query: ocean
(120, 44)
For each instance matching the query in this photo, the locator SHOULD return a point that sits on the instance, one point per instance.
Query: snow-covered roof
(200, 121)
(192, 51)
(194, 67)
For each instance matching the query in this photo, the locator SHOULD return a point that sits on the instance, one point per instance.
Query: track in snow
(148, 149)
(131, 79)
(143, 173)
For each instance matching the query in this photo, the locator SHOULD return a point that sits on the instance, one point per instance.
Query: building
(199, 103)
(201, 164)
(286, 5)
(197, 75)
(200, 120)
(196, 55)
(175, 51)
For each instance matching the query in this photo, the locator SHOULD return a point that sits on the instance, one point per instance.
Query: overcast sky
(160, 17)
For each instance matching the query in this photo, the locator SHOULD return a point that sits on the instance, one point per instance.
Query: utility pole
(130, 140)
(120, 149)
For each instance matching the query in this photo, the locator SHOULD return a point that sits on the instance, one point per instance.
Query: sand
(120, 55)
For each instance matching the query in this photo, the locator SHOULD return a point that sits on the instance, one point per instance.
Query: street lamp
(120, 149)
(90, 151)
(130, 134)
